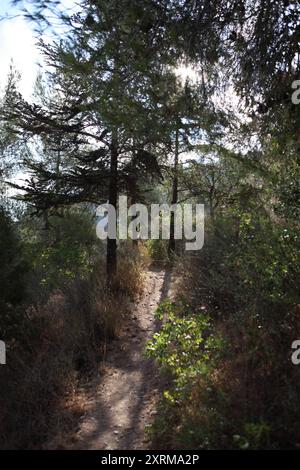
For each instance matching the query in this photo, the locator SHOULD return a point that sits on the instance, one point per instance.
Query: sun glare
(186, 73)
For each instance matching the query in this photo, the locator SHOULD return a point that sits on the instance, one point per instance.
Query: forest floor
(124, 398)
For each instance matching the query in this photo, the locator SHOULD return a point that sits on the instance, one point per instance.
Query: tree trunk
(58, 227)
(132, 202)
(172, 243)
(111, 254)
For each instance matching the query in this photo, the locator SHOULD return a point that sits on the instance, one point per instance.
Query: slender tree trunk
(172, 243)
(111, 254)
(135, 243)
(132, 202)
(58, 228)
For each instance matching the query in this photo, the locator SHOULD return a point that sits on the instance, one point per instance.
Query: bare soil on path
(125, 398)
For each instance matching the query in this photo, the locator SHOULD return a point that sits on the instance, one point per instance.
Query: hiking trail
(126, 394)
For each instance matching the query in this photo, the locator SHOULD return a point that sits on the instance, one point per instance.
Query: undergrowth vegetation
(226, 342)
(56, 333)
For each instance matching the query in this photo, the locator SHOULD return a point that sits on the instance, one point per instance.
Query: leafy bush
(187, 349)
(12, 275)
(158, 250)
(12, 285)
(183, 346)
(66, 250)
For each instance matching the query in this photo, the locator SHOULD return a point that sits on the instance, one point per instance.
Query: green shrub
(64, 251)
(12, 276)
(158, 250)
(187, 350)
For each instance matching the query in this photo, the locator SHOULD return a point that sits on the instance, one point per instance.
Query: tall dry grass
(59, 345)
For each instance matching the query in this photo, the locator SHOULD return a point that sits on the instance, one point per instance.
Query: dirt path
(127, 394)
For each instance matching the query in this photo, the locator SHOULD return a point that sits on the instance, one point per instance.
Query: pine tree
(103, 115)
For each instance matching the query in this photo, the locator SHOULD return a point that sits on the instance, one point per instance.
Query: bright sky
(17, 43)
